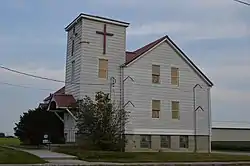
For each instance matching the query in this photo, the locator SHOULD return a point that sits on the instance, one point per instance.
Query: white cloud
(188, 30)
(194, 20)
(231, 78)
(163, 3)
(236, 96)
(230, 73)
(31, 40)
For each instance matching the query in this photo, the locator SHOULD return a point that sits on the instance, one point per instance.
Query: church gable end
(131, 57)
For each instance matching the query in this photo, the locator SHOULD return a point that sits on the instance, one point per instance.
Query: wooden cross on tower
(105, 34)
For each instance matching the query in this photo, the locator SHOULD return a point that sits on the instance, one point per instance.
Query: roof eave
(96, 18)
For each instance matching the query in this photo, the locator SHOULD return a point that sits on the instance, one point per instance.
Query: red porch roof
(60, 91)
(64, 100)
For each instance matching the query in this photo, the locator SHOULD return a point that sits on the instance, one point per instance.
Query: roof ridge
(143, 49)
(151, 43)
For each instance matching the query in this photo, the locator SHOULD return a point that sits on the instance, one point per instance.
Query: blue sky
(214, 34)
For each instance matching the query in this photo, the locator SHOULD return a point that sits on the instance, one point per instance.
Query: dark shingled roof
(130, 56)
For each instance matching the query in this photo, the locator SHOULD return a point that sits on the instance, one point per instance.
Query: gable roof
(60, 91)
(132, 56)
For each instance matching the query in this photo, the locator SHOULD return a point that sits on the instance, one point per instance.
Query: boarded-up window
(145, 141)
(72, 71)
(165, 141)
(103, 68)
(175, 76)
(156, 74)
(175, 110)
(156, 107)
(184, 141)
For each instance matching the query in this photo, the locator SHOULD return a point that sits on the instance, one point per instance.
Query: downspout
(122, 101)
(209, 121)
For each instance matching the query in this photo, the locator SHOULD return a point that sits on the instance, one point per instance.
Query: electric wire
(45, 78)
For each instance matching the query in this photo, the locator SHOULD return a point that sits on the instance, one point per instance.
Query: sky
(215, 35)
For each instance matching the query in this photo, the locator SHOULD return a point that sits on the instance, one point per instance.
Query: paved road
(48, 155)
(53, 157)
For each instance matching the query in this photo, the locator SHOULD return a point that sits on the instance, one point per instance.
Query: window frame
(148, 142)
(103, 69)
(177, 77)
(73, 70)
(177, 110)
(155, 74)
(73, 41)
(158, 110)
(167, 143)
(184, 145)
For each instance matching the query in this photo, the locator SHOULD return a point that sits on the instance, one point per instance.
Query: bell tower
(96, 49)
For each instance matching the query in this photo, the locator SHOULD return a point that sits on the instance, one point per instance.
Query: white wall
(74, 88)
(142, 91)
(115, 53)
(69, 127)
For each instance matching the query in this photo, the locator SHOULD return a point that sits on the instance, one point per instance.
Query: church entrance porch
(69, 125)
(62, 104)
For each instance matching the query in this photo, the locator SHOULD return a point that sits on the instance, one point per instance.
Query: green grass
(9, 156)
(149, 156)
(9, 141)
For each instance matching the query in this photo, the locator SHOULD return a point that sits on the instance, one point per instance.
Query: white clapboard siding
(142, 91)
(73, 88)
(115, 53)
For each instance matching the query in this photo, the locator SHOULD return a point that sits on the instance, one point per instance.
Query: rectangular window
(184, 141)
(156, 107)
(175, 110)
(165, 141)
(145, 141)
(156, 74)
(103, 68)
(175, 76)
(72, 71)
(73, 42)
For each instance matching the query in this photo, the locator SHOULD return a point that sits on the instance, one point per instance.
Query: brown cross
(105, 34)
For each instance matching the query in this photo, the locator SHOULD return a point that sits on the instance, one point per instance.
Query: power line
(45, 78)
(60, 81)
(242, 2)
(26, 87)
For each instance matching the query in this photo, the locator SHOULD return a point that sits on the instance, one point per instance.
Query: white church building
(167, 95)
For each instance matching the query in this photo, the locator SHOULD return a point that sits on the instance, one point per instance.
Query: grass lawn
(9, 141)
(9, 156)
(149, 156)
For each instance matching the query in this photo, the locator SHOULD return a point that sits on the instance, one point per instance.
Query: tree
(2, 135)
(101, 123)
(34, 124)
